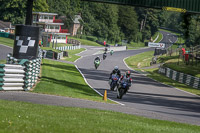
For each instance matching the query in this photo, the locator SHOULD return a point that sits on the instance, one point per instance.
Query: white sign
(156, 45)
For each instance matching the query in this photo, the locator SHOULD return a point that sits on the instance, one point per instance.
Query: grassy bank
(179, 65)
(140, 60)
(170, 61)
(2, 61)
(21, 117)
(72, 55)
(86, 42)
(64, 80)
(7, 41)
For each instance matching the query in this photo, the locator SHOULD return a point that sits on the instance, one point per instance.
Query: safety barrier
(180, 77)
(19, 74)
(119, 48)
(11, 77)
(64, 48)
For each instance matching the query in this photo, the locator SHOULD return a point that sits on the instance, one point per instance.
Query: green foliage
(15, 10)
(40, 6)
(128, 22)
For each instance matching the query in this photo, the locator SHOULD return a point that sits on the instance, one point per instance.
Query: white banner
(156, 45)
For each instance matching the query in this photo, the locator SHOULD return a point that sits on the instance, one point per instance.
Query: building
(76, 25)
(6, 27)
(51, 26)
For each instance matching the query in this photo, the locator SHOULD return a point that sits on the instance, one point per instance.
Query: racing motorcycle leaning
(123, 87)
(96, 63)
(113, 81)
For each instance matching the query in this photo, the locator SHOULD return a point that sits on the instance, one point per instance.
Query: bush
(91, 38)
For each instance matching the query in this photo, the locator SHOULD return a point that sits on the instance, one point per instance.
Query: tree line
(108, 21)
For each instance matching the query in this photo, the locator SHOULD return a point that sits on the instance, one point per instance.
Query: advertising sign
(156, 45)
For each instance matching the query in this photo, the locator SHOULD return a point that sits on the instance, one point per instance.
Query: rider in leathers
(127, 79)
(115, 71)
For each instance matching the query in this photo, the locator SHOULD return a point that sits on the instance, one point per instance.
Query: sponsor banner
(156, 45)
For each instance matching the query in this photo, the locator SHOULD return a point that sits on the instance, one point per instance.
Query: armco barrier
(119, 48)
(19, 74)
(64, 48)
(181, 77)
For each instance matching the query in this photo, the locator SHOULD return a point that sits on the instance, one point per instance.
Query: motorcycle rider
(111, 52)
(97, 59)
(115, 71)
(104, 55)
(127, 79)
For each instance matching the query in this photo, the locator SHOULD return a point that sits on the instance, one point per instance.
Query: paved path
(4, 50)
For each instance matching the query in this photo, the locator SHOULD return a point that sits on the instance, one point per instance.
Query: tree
(15, 10)
(128, 22)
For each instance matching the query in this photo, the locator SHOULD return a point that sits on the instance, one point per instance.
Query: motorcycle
(113, 81)
(96, 63)
(111, 52)
(104, 56)
(122, 89)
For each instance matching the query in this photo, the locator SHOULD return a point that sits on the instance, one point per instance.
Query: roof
(4, 25)
(76, 19)
(45, 13)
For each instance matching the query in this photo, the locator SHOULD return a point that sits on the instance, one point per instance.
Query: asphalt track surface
(146, 97)
(4, 50)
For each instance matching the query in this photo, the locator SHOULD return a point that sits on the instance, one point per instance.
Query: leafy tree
(15, 10)
(128, 22)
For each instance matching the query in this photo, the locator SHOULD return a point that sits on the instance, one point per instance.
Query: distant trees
(108, 21)
(15, 10)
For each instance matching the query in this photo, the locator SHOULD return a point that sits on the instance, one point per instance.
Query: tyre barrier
(52, 55)
(64, 48)
(19, 74)
(180, 77)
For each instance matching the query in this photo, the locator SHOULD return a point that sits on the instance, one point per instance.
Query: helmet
(98, 57)
(128, 73)
(116, 68)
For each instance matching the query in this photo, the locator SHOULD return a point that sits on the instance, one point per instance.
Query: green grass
(140, 60)
(2, 61)
(153, 73)
(182, 67)
(178, 65)
(155, 35)
(86, 42)
(18, 117)
(171, 62)
(72, 55)
(64, 80)
(7, 41)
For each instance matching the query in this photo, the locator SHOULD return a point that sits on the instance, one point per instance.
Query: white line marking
(156, 38)
(78, 59)
(79, 55)
(5, 46)
(92, 87)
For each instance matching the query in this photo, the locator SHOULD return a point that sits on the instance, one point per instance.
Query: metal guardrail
(180, 77)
